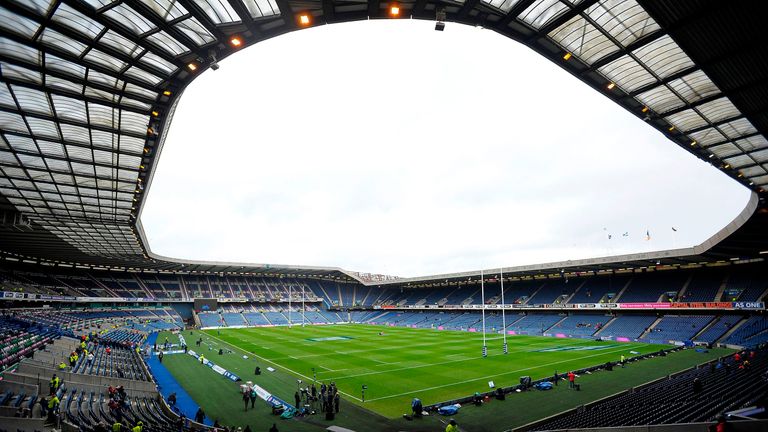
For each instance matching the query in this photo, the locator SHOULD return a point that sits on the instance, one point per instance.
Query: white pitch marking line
(492, 376)
(428, 365)
(283, 367)
(421, 345)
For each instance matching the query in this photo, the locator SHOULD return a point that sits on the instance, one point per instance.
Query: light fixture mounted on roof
(567, 56)
(305, 19)
(394, 10)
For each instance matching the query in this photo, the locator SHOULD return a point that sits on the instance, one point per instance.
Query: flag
(647, 235)
(674, 229)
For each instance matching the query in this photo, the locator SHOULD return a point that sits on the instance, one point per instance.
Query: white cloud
(385, 146)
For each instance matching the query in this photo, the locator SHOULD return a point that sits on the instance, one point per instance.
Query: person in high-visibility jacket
(452, 426)
(54, 385)
(53, 403)
(139, 426)
(117, 427)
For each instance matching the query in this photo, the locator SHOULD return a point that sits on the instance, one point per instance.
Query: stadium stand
(534, 324)
(210, 319)
(653, 287)
(718, 328)
(676, 328)
(702, 287)
(627, 326)
(37, 343)
(88, 93)
(553, 292)
(599, 289)
(579, 325)
(751, 333)
(725, 387)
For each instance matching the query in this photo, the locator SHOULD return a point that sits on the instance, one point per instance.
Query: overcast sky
(387, 147)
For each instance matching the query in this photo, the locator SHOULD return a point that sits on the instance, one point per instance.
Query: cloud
(384, 146)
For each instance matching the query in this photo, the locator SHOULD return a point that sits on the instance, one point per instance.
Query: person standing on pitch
(452, 426)
(336, 400)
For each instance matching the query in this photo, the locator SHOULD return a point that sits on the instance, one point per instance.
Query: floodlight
(235, 41)
(167, 93)
(192, 67)
(304, 19)
(567, 56)
(394, 10)
(611, 86)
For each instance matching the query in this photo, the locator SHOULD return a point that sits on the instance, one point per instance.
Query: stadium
(100, 333)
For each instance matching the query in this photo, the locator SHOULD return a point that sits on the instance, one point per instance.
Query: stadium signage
(604, 306)
(46, 297)
(267, 396)
(216, 368)
(749, 305)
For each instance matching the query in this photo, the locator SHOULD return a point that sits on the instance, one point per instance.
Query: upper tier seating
(650, 287)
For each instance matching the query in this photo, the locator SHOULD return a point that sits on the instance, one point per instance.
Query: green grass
(405, 363)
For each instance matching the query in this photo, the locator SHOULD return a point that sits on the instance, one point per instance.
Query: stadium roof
(89, 88)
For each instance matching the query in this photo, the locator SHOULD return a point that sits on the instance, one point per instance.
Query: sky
(387, 147)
